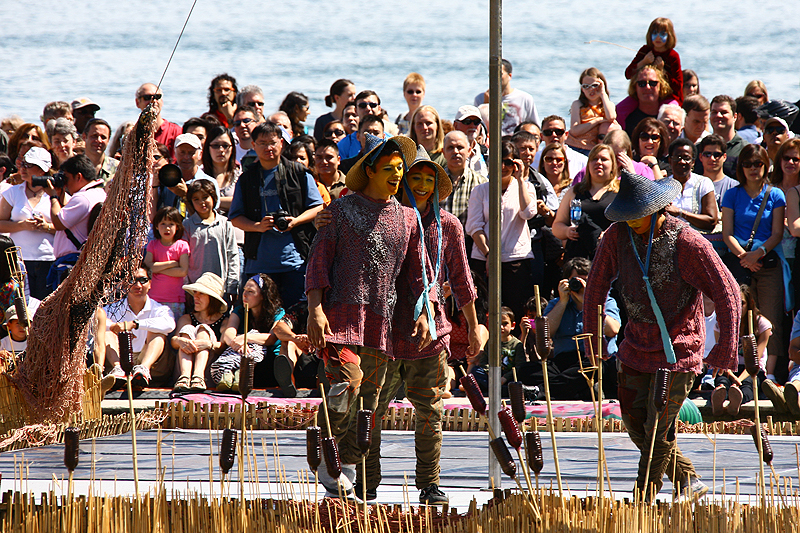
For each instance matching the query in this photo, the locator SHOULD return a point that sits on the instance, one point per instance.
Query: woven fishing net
(50, 378)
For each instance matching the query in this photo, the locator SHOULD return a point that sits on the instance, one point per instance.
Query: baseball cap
(188, 138)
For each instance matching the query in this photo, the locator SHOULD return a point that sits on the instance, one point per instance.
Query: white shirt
(690, 199)
(153, 317)
(515, 236)
(34, 245)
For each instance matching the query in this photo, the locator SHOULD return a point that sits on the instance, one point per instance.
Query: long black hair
(271, 302)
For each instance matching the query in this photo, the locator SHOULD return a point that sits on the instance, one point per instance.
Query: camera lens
(575, 284)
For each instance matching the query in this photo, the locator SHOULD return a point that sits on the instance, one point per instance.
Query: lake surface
(105, 50)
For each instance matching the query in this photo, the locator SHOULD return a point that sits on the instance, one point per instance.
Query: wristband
(763, 249)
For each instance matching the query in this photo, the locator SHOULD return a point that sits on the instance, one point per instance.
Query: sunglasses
(150, 97)
(364, 105)
(25, 164)
(645, 83)
(142, 280)
(752, 164)
(334, 133)
(470, 121)
(553, 159)
(644, 136)
(558, 132)
(256, 104)
(779, 130)
(713, 155)
(659, 35)
(508, 162)
(220, 146)
(242, 121)
(413, 91)
(590, 86)
(757, 95)
(790, 159)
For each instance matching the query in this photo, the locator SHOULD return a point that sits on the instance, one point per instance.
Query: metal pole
(495, 192)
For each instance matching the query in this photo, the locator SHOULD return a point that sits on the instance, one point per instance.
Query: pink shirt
(75, 216)
(165, 288)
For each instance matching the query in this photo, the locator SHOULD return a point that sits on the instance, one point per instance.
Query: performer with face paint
(661, 266)
(352, 270)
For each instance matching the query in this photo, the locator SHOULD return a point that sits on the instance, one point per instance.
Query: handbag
(744, 275)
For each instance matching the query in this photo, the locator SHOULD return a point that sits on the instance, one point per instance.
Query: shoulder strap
(749, 244)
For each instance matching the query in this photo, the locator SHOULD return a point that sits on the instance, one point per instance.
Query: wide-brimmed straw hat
(357, 178)
(639, 197)
(443, 182)
(210, 284)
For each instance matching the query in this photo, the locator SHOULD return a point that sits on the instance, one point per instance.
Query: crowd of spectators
(237, 223)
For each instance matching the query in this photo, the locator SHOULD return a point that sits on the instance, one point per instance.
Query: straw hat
(357, 178)
(639, 196)
(443, 182)
(210, 284)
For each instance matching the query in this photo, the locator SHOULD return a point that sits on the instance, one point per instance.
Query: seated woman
(200, 332)
(593, 194)
(264, 304)
(650, 142)
(697, 203)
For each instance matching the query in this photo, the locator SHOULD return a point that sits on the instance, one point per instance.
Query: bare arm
(9, 226)
(179, 271)
(707, 217)
(561, 225)
(318, 325)
(793, 211)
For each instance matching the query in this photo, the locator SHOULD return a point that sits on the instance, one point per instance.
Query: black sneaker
(431, 495)
(372, 494)
(282, 368)
(531, 392)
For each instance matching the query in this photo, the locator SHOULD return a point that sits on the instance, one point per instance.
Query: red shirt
(683, 264)
(166, 135)
(672, 68)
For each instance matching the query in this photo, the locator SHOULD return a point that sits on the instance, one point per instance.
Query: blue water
(105, 50)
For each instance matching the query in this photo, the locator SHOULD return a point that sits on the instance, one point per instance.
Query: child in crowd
(527, 326)
(211, 238)
(17, 339)
(592, 114)
(512, 353)
(264, 303)
(660, 51)
(739, 388)
(168, 258)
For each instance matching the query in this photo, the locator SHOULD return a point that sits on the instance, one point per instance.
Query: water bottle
(575, 212)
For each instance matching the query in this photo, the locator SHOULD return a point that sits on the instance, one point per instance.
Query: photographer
(275, 203)
(73, 219)
(565, 315)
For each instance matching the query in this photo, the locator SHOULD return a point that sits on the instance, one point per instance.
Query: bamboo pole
(758, 422)
(549, 403)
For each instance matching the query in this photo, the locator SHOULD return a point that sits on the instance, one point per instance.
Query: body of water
(104, 50)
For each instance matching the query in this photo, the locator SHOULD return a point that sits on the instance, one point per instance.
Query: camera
(56, 179)
(575, 285)
(279, 220)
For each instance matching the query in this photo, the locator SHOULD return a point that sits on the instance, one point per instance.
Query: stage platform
(464, 476)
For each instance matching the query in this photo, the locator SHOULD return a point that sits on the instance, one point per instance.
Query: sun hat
(357, 179)
(638, 196)
(443, 182)
(36, 155)
(189, 138)
(210, 284)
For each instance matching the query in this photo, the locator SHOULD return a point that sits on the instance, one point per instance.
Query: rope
(176, 45)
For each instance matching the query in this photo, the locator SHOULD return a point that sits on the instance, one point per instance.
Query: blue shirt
(745, 210)
(572, 324)
(349, 146)
(276, 251)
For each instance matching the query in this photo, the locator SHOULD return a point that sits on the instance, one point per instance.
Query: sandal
(198, 384)
(182, 385)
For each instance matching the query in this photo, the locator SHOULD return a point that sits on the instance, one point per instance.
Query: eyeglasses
(645, 83)
(150, 97)
(142, 280)
(659, 35)
(752, 164)
(644, 136)
(470, 121)
(713, 155)
(777, 130)
(413, 91)
(25, 164)
(790, 159)
(508, 162)
(221, 146)
(553, 159)
(590, 86)
(333, 133)
(558, 132)
(364, 105)
(242, 121)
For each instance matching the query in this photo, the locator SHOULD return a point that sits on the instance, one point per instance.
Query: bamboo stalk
(549, 403)
(758, 423)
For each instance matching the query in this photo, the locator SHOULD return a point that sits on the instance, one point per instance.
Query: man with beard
(222, 98)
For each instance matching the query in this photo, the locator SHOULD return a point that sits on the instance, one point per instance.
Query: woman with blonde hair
(426, 129)
(414, 93)
(757, 90)
(593, 194)
(555, 167)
